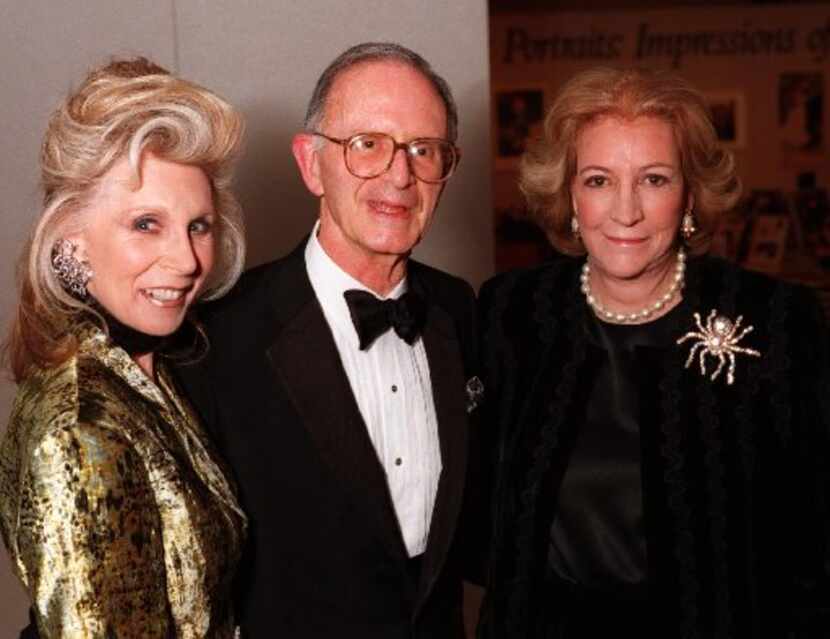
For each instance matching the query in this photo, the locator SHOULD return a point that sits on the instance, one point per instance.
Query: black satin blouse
(597, 539)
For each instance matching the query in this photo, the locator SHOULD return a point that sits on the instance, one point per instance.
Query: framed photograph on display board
(768, 243)
(519, 112)
(728, 109)
(800, 112)
(728, 237)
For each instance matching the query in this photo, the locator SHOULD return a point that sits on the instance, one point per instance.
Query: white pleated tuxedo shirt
(390, 381)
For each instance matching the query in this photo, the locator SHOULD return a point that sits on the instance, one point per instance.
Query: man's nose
(400, 171)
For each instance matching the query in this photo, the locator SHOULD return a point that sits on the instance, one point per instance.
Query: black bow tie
(372, 317)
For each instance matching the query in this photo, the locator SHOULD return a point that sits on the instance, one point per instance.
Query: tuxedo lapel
(307, 365)
(448, 382)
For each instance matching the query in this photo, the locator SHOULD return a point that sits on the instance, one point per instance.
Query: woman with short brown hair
(661, 423)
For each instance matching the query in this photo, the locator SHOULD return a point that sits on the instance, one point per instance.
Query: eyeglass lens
(370, 154)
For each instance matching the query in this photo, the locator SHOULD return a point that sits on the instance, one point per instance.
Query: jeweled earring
(687, 225)
(74, 274)
(575, 226)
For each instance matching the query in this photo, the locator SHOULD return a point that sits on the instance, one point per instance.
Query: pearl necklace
(648, 311)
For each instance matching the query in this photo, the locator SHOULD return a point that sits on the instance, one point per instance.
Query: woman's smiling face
(628, 195)
(151, 245)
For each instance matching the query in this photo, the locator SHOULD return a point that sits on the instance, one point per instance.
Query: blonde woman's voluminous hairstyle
(119, 111)
(548, 167)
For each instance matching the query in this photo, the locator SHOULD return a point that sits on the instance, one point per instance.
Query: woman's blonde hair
(548, 167)
(119, 111)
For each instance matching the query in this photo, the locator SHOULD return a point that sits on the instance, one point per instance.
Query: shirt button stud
(394, 388)
(398, 461)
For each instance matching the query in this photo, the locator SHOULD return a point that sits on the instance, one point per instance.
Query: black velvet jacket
(735, 477)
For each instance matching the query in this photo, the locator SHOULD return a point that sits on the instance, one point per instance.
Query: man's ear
(308, 161)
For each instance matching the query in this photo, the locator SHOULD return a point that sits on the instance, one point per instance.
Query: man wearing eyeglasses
(340, 378)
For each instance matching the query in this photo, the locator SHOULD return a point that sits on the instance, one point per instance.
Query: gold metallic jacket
(118, 516)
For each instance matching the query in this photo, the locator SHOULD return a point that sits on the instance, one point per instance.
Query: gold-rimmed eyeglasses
(368, 155)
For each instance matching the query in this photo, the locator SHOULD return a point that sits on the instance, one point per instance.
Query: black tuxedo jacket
(326, 556)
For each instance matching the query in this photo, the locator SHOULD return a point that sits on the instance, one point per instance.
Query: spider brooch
(719, 338)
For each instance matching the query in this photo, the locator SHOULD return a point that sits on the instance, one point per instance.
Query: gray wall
(264, 56)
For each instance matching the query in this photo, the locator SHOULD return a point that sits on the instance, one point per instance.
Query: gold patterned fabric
(118, 515)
